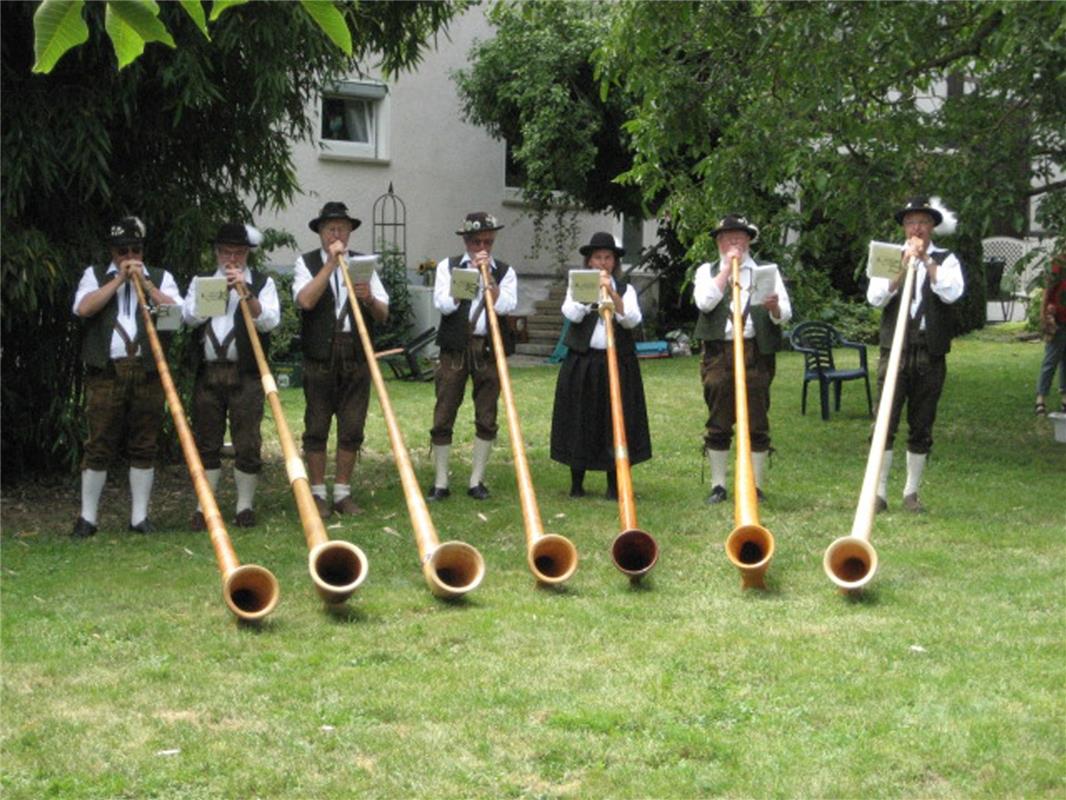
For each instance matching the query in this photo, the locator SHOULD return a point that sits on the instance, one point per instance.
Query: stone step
(535, 349)
(544, 324)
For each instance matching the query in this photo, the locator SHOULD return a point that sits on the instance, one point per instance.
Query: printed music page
(885, 260)
(361, 268)
(464, 284)
(585, 285)
(168, 317)
(211, 297)
(763, 281)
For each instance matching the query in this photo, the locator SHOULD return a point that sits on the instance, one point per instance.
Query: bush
(814, 298)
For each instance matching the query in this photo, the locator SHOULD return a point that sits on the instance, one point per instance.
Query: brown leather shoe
(347, 507)
(322, 506)
(245, 518)
(198, 523)
(913, 504)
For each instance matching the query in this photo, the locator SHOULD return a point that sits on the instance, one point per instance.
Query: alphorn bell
(250, 591)
(851, 561)
(633, 551)
(337, 568)
(552, 558)
(750, 546)
(451, 569)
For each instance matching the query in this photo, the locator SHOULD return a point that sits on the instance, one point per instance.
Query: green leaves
(58, 26)
(131, 24)
(331, 21)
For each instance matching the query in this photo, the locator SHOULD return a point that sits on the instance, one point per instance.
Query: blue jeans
(1054, 356)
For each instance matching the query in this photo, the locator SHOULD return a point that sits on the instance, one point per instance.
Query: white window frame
(377, 150)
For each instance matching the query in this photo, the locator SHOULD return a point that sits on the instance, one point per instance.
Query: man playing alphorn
(762, 339)
(938, 283)
(336, 379)
(227, 376)
(123, 395)
(465, 352)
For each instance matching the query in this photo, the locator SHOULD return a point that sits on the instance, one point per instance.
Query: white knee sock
(213, 477)
(758, 463)
(246, 482)
(882, 478)
(719, 461)
(140, 492)
(915, 467)
(440, 463)
(480, 459)
(340, 491)
(92, 486)
(319, 490)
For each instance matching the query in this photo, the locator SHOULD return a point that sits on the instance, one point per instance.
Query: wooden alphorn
(337, 568)
(633, 551)
(250, 591)
(451, 569)
(552, 558)
(851, 561)
(750, 546)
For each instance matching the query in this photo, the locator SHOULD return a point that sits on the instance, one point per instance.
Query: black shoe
(716, 496)
(197, 522)
(880, 505)
(83, 529)
(437, 493)
(759, 495)
(577, 491)
(144, 526)
(478, 492)
(611, 493)
(245, 518)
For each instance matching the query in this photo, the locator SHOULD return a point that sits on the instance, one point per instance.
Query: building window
(354, 122)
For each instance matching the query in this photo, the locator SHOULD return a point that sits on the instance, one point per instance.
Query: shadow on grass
(342, 613)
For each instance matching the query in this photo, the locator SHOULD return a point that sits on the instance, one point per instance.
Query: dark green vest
(710, 327)
(318, 325)
(579, 334)
(97, 330)
(939, 317)
(455, 328)
(245, 355)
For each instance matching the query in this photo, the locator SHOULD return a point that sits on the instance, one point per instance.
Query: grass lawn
(125, 676)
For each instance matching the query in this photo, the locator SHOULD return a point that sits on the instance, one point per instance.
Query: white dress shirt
(633, 316)
(442, 294)
(707, 295)
(948, 285)
(302, 276)
(128, 310)
(268, 319)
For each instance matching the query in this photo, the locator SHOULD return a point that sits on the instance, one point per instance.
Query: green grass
(125, 676)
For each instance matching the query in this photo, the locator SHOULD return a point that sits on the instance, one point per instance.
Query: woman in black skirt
(581, 419)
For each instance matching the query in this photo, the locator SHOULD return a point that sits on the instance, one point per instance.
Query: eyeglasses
(135, 250)
(335, 230)
(481, 241)
(231, 252)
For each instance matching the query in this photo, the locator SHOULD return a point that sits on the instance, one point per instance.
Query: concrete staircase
(545, 324)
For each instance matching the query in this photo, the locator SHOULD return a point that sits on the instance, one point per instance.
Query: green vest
(97, 330)
(245, 355)
(939, 317)
(318, 325)
(710, 327)
(455, 328)
(579, 334)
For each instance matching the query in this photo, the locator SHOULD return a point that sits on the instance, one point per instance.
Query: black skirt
(581, 418)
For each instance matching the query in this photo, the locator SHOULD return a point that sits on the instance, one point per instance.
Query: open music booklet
(464, 284)
(361, 268)
(885, 260)
(212, 297)
(585, 285)
(763, 281)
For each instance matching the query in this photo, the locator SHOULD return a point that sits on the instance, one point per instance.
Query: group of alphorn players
(599, 420)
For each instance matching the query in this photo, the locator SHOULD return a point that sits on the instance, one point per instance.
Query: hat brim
(317, 221)
(589, 249)
(481, 230)
(903, 212)
(753, 233)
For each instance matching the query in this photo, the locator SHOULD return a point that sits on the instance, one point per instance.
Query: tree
(185, 138)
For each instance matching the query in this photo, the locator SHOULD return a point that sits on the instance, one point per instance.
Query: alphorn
(750, 546)
(851, 561)
(337, 568)
(451, 569)
(633, 551)
(552, 558)
(250, 591)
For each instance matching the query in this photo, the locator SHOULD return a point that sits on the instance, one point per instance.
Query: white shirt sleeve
(442, 290)
(270, 316)
(377, 288)
(783, 301)
(87, 285)
(633, 316)
(170, 288)
(705, 292)
(508, 300)
(188, 311)
(572, 310)
(949, 281)
(301, 276)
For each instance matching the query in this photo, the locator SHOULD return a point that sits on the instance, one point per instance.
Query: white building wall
(439, 165)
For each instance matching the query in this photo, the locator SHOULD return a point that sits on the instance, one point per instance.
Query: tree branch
(1047, 187)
